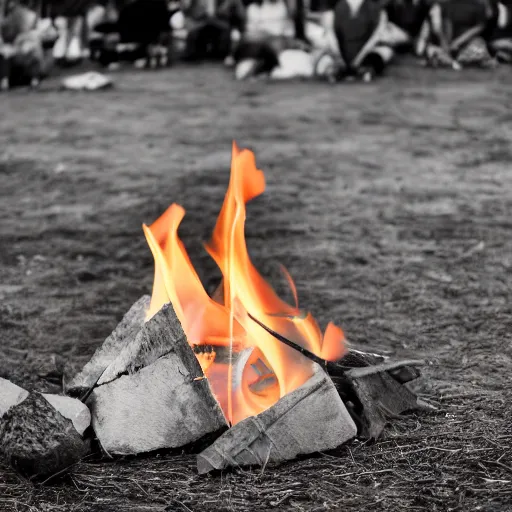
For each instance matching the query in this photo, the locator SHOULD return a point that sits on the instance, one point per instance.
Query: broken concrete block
(310, 419)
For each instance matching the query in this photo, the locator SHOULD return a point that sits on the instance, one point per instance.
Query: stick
(357, 373)
(304, 351)
(335, 369)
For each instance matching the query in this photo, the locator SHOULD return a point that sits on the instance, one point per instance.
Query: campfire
(246, 366)
(241, 376)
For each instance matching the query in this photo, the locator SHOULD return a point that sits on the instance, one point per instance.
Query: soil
(389, 203)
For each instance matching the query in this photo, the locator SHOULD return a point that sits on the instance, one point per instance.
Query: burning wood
(71, 409)
(41, 434)
(310, 419)
(154, 394)
(224, 323)
(373, 392)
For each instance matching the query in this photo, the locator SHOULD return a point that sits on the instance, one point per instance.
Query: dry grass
(390, 205)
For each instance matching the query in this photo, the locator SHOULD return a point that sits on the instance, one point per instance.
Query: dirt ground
(391, 206)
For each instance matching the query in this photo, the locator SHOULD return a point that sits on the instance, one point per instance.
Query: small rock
(49, 367)
(37, 440)
(85, 275)
(10, 395)
(72, 409)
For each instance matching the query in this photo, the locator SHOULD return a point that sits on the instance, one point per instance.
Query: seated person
(408, 17)
(361, 28)
(208, 25)
(22, 53)
(70, 18)
(454, 33)
(141, 32)
(268, 31)
(280, 41)
(500, 34)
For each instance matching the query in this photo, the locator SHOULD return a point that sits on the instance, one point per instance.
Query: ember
(274, 369)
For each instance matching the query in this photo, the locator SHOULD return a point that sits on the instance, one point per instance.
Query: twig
(500, 464)
(436, 448)
(88, 392)
(357, 373)
(67, 468)
(333, 368)
(292, 344)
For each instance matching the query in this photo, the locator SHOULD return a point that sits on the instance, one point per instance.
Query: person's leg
(220, 40)
(196, 42)
(84, 36)
(254, 58)
(502, 49)
(72, 32)
(476, 53)
(4, 72)
(375, 63)
(327, 22)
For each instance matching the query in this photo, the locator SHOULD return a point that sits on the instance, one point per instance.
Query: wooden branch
(357, 373)
(353, 359)
(304, 351)
(72, 409)
(10, 395)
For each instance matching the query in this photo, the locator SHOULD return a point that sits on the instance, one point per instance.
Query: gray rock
(37, 440)
(10, 395)
(72, 409)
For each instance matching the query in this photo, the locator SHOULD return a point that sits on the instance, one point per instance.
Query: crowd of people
(326, 39)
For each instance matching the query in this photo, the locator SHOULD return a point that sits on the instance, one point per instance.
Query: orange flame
(256, 369)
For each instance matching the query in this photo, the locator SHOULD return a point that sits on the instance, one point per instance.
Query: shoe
(91, 81)
(367, 77)
(229, 61)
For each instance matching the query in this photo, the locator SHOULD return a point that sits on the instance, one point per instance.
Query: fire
(248, 368)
